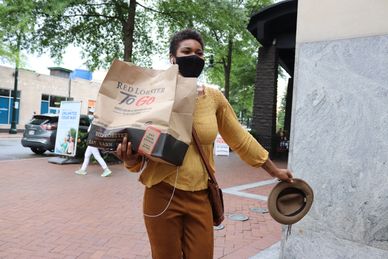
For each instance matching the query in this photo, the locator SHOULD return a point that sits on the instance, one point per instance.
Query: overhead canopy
(276, 25)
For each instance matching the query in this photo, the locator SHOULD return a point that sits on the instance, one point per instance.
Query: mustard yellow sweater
(212, 114)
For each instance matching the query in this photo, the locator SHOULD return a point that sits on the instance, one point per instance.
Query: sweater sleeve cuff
(136, 168)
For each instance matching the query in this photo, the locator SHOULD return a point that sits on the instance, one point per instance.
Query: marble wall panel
(339, 144)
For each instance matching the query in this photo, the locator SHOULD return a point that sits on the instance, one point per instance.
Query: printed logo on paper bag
(133, 100)
(105, 139)
(149, 140)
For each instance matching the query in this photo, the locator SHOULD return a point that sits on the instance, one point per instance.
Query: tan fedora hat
(289, 202)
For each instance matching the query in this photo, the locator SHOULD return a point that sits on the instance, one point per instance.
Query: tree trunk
(128, 30)
(228, 68)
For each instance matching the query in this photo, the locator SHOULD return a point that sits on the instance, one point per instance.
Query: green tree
(230, 46)
(242, 85)
(104, 30)
(281, 113)
(17, 21)
(208, 17)
(112, 29)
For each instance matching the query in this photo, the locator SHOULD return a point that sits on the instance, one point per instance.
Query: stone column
(264, 104)
(339, 129)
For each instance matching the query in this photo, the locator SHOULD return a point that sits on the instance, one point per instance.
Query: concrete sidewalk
(49, 212)
(6, 135)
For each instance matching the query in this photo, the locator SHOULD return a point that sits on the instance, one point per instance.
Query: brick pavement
(49, 212)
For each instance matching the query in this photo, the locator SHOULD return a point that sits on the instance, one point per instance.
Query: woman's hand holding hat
(282, 174)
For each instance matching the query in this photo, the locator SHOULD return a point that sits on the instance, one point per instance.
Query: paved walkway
(6, 135)
(49, 212)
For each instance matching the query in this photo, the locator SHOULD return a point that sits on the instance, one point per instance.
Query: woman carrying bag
(177, 211)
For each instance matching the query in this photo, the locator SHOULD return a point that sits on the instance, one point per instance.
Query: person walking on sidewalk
(176, 207)
(96, 153)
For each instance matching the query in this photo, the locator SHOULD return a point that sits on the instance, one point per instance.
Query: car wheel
(38, 150)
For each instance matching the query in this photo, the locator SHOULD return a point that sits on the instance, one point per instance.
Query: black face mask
(190, 66)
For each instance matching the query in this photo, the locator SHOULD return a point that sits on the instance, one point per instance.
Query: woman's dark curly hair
(186, 34)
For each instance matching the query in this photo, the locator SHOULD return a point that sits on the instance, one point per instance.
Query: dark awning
(276, 24)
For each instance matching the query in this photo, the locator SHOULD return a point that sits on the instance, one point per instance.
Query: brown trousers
(185, 229)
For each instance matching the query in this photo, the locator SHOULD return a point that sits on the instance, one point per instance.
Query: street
(12, 149)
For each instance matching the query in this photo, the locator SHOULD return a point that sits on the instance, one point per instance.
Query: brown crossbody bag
(215, 193)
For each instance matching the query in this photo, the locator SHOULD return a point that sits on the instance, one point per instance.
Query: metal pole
(69, 94)
(13, 129)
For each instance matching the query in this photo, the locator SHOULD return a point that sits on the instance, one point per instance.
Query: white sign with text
(67, 131)
(220, 147)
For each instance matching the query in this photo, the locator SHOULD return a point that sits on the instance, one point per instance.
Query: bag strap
(203, 156)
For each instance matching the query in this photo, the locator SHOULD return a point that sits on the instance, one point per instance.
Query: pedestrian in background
(96, 153)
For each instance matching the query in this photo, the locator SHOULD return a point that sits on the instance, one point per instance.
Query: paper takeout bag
(153, 108)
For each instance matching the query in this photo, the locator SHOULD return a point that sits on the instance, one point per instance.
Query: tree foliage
(228, 43)
(281, 113)
(16, 28)
(109, 29)
(104, 30)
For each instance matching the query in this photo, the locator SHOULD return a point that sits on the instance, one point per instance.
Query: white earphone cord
(169, 202)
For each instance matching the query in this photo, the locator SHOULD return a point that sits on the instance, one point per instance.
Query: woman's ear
(172, 59)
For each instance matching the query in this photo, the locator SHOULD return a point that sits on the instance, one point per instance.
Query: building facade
(38, 94)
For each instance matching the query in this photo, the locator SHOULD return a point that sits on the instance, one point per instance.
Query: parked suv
(40, 133)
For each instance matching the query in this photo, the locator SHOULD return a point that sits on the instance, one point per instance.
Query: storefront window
(4, 92)
(45, 97)
(6, 106)
(51, 103)
(55, 101)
